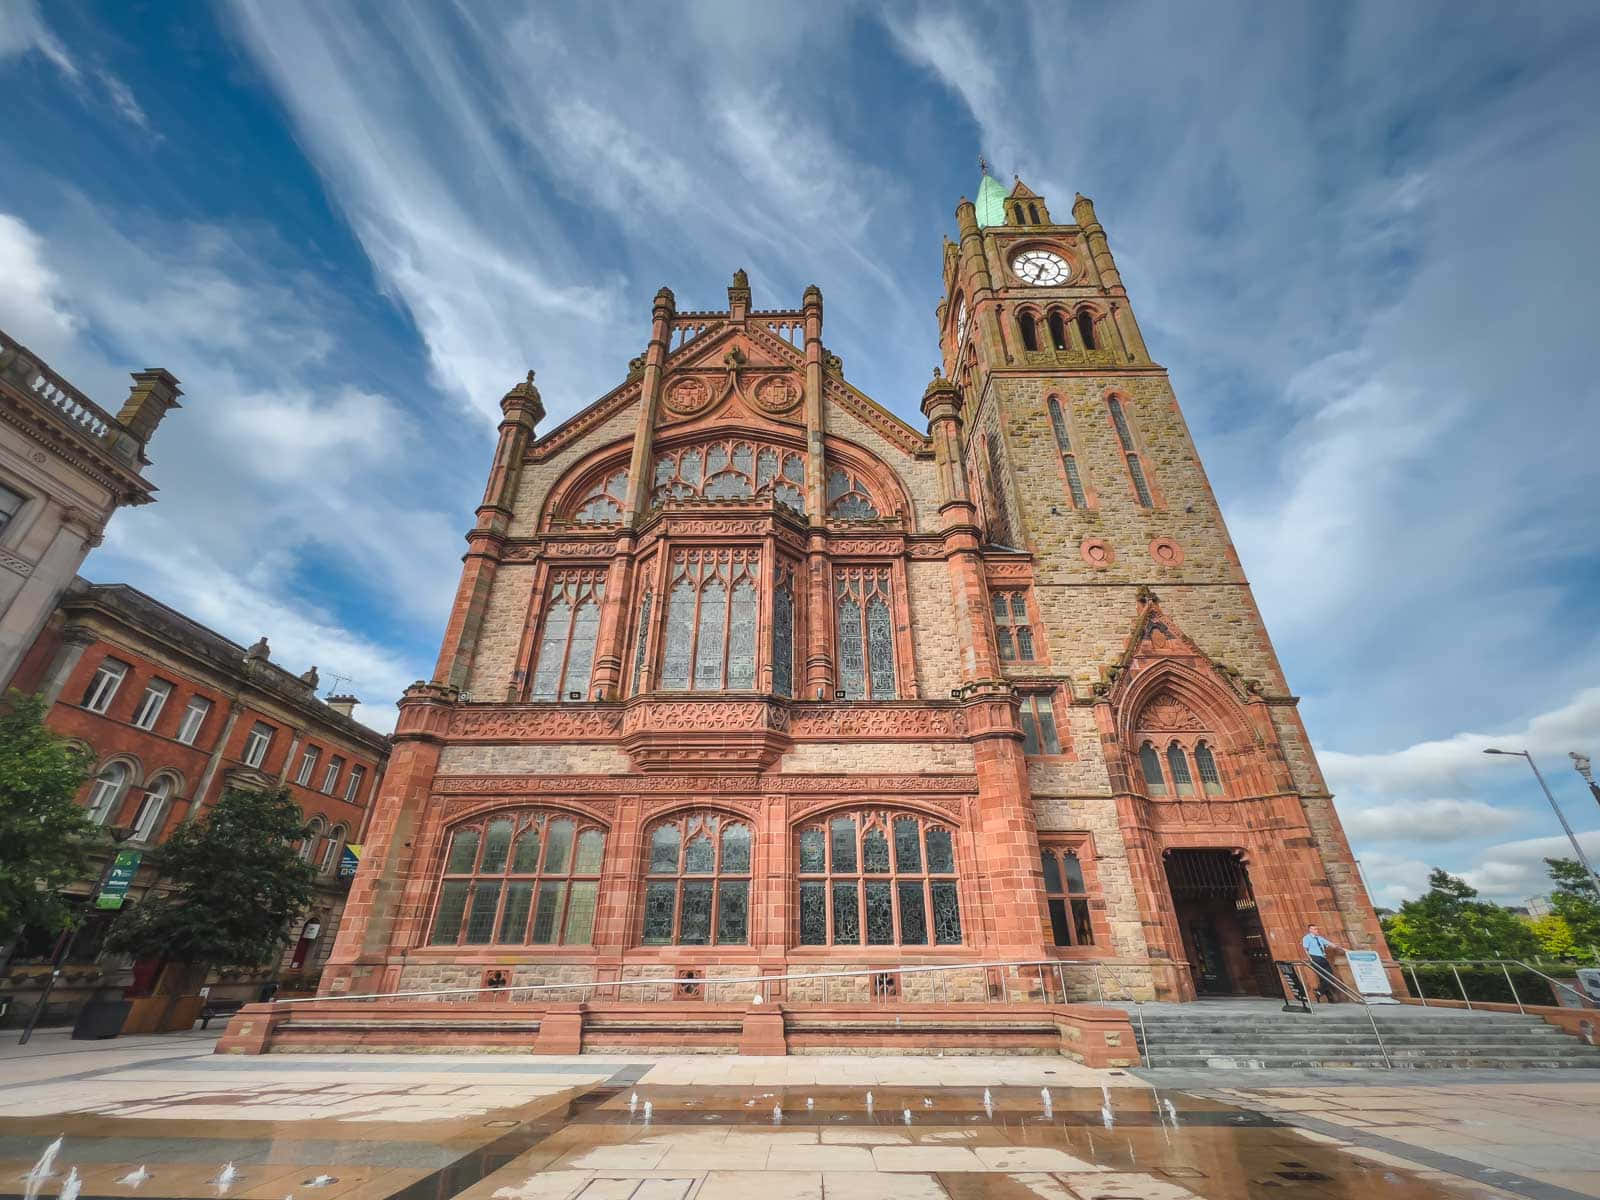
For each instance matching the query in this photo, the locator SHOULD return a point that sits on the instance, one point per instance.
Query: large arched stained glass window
(603, 503)
(848, 497)
(571, 625)
(731, 469)
(518, 879)
(698, 888)
(878, 879)
(712, 616)
(863, 609)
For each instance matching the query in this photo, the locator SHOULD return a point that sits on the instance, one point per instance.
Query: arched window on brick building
(697, 889)
(877, 879)
(522, 878)
(1176, 754)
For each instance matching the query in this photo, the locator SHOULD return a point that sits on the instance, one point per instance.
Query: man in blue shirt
(1316, 947)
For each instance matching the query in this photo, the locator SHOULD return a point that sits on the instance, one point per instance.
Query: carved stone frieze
(535, 724)
(1166, 713)
(956, 806)
(1010, 571)
(724, 784)
(873, 547)
(877, 724)
(710, 735)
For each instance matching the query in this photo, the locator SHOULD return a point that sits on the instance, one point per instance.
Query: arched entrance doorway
(1216, 913)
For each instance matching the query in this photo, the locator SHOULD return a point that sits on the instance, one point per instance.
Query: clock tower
(1190, 780)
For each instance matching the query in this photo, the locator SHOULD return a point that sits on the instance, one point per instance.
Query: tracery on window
(863, 610)
(1067, 896)
(520, 878)
(697, 889)
(571, 625)
(848, 497)
(712, 617)
(1185, 762)
(783, 631)
(878, 879)
(731, 469)
(603, 503)
(1011, 627)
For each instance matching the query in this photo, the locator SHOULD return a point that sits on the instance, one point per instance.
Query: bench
(219, 1008)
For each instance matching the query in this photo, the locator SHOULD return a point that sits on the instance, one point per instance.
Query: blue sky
(1360, 236)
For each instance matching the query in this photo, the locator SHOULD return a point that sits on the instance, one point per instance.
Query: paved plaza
(164, 1117)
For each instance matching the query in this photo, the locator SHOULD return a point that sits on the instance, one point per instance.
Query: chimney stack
(344, 705)
(154, 392)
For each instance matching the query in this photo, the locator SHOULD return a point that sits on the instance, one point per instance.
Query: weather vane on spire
(983, 165)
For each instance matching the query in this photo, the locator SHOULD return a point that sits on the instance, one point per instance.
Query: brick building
(65, 466)
(174, 713)
(746, 674)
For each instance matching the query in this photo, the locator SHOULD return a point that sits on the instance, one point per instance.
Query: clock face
(1041, 268)
(961, 321)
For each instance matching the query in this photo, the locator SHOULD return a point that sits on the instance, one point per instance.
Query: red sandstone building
(174, 713)
(746, 675)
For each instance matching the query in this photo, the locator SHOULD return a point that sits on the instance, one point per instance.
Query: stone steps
(1413, 1040)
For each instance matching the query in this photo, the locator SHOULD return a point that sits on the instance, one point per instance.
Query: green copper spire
(991, 203)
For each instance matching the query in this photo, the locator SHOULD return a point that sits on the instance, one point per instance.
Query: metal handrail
(1360, 999)
(1411, 964)
(762, 980)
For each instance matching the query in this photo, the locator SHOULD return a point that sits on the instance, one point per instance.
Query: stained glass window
(494, 881)
(571, 625)
(1150, 764)
(731, 469)
(701, 896)
(1012, 630)
(1069, 460)
(1067, 896)
(642, 638)
(1205, 762)
(603, 503)
(711, 621)
(783, 632)
(862, 608)
(848, 497)
(1000, 514)
(1039, 733)
(876, 879)
(1125, 437)
(1182, 782)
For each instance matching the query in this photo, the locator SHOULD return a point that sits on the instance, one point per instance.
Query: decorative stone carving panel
(724, 784)
(877, 724)
(535, 724)
(1166, 713)
(776, 394)
(686, 397)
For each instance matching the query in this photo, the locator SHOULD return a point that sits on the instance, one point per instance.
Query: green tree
(1555, 937)
(232, 885)
(45, 832)
(1575, 902)
(1449, 921)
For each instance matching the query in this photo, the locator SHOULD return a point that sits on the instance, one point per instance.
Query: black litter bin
(101, 1019)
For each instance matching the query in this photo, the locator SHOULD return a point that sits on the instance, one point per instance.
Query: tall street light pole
(1594, 880)
(1580, 764)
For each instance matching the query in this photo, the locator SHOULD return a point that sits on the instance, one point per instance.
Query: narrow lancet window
(1150, 763)
(1086, 329)
(571, 626)
(1069, 461)
(783, 633)
(1141, 486)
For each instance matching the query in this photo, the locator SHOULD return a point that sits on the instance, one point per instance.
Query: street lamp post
(1580, 764)
(1594, 880)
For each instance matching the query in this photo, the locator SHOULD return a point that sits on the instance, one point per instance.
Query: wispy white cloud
(23, 29)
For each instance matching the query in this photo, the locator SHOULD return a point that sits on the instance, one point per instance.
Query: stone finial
(740, 279)
(523, 396)
(739, 296)
(1083, 209)
(260, 651)
(310, 678)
